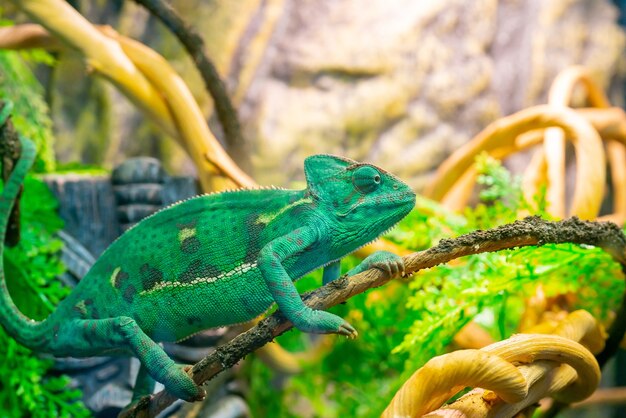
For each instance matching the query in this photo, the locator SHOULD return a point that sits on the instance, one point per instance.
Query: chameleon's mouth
(393, 200)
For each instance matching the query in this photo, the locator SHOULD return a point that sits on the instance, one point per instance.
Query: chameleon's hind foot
(322, 322)
(181, 385)
(348, 330)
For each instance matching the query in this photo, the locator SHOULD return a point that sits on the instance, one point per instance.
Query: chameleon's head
(357, 197)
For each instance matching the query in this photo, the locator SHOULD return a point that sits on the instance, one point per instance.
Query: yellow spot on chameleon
(185, 233)
(269, 217)
(81, 307)
(114, 275)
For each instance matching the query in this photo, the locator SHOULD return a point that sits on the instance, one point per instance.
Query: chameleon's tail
(26, 331)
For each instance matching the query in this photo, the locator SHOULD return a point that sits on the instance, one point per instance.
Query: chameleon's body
(214, 260)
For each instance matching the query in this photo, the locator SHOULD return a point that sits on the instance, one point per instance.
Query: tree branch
(530, 231)
(194, 44)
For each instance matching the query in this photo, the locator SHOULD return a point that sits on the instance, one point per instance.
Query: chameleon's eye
(366, 179)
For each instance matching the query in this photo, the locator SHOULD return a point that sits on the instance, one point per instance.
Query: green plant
(31, 269)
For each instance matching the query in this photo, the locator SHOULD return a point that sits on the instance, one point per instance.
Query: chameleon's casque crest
(324, 168)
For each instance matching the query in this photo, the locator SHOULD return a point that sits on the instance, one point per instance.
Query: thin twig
(530, 231)
(194, 44)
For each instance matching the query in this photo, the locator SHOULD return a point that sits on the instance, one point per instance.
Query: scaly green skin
(215, 260)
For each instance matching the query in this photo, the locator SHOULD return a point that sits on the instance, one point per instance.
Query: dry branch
(510, 134)
(604, 397)
(194, 44)
(530, 231)
(539, 359)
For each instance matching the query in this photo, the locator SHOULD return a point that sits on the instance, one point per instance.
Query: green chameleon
(214, 260)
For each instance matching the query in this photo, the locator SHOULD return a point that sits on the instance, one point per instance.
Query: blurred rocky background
(395, 82)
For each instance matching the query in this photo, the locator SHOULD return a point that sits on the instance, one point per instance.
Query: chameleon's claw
(201, 395)
(182, 386)
(387, 268)
(395, 269)
(347, 330)
(390, 264)
(391, 268)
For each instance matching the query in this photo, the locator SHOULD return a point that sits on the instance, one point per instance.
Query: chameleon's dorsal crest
(319, 169)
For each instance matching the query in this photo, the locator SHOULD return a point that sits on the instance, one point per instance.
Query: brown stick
(530, 231)
(194, 44)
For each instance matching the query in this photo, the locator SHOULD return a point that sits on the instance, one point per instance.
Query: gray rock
(138, 170)
(87, 207)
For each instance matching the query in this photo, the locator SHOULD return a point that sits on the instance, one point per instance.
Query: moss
(30, 114)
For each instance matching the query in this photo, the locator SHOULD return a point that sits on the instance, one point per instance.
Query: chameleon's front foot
(390, 263)
(321, 322)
